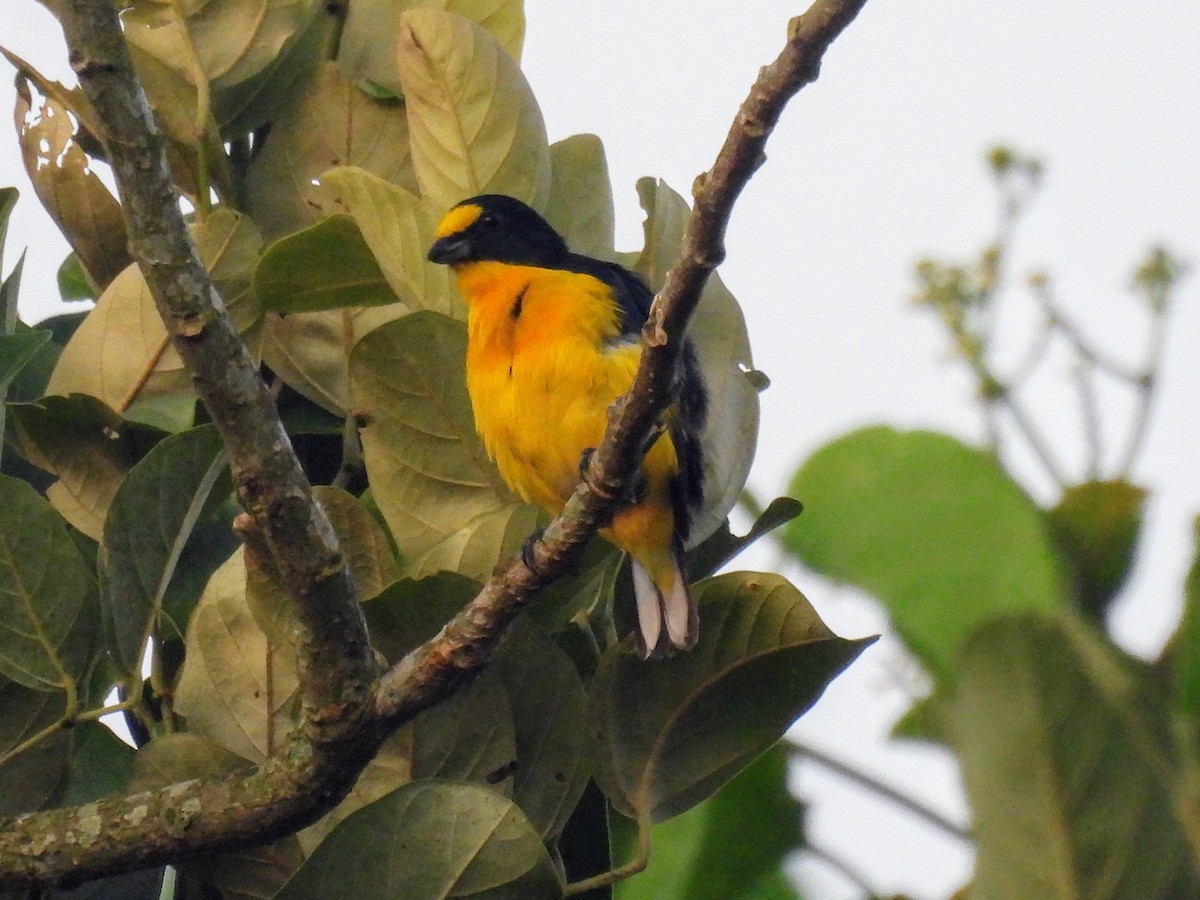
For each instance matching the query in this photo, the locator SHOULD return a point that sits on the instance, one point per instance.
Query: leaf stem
(637, 864)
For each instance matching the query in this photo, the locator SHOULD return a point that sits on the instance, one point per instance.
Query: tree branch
(346, 710)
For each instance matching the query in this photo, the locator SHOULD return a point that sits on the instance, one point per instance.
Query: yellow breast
(542, 369)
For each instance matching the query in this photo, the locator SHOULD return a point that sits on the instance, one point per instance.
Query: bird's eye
(489, 220)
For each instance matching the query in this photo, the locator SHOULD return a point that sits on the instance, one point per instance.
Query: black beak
(453, 248)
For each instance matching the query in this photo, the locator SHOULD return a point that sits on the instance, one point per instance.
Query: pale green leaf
(580, 206)
(122, 350)
(474, 123)
(82, 442)
(718, 330)
(934, 529)
(237, 688)
(47, 594)
(367, 51)
(430, 839)
(479, 544)
(671, 732)
(429, 473)
(399, 228)
(323, 122)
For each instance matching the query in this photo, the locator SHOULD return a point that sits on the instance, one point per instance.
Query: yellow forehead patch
(458, 219)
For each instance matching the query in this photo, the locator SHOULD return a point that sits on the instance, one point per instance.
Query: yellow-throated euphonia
(553, 339)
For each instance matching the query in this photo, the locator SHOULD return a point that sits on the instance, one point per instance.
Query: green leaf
(410, 612)
(323, 121)
(72, 282)
(935, 530)
(475, 548)
(8, 201)
(367, 50)
(121, 351)
(671, 732)
(718, 331)
(475, 125)
(236, 688)
(548, 704)
(85, 444)
(36, 777)
(47, 594)
(310, 351)
(1064, 758)
(1185, 654)
(158, 504)
(723, 545)
(580, 206)
(325, 266)
(730, 846)
(398, 227)
(1096, 526)
(468, 737)
(248, 105)
(429, 473)
(430, 839)
(16, 350)
(101, 764)
(181, 757)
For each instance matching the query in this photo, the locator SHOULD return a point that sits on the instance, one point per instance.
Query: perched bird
(553, 339)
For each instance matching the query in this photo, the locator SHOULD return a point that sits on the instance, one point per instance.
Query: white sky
(876, 164)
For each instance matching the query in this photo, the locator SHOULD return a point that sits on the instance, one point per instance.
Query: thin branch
(843, 868)
(878, 788)
(433, 670)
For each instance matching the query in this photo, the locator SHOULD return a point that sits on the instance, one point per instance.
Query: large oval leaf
(474, 123)
(671, 732)
(151, 519)
(934, 529)
(325, 266)
(237, 688)
(323, 122)
(36, 777)
(429, 473)
(580, 206)
(367, 50)
(1063, 748)
(430, 839)
(122, 353)
(47, 594)
(718, 330)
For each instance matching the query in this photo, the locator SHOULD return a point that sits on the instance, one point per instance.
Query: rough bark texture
(347, 709)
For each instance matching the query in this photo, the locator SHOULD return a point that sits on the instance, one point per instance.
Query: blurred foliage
(317, 145)
(1081, 763)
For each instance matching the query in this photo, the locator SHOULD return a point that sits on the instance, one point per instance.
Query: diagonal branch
(433, 670)
(347, 710)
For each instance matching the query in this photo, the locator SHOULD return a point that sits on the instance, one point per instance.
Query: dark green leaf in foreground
(429, 840)
(326, 266)
(1186, 644)
(932, 528)
(47, 594)
(731, 846)
(1067, 769)
(723, 545)
(36, 776)
(152, 516)
(101, 764)
(15, 351)
(670, 733)
(1096, 526)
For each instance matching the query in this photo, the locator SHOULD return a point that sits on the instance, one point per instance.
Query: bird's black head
(496, 228)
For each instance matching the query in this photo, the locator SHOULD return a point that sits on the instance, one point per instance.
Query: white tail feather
(649, 607)
(678, 614)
